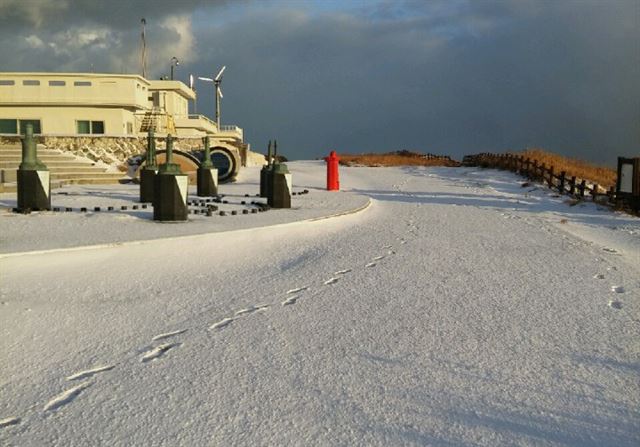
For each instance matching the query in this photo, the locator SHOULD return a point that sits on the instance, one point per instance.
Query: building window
(30, 82)
(15, 126)
(82, 83)
(23, 126)
(57, 83)
(90, 127)
(9, 126)
(129, 128)
(97, 127)
(7, 82)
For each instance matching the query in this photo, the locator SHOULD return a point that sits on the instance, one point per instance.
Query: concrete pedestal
(170, 203)
(280, 194)
(265, 181)
(34, 190)
(147, 179)
(207, 182)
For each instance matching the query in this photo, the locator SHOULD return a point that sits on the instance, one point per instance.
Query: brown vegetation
(398, 158)
(601, 175)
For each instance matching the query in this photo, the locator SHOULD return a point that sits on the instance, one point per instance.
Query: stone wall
(255, 159)
(115, 150)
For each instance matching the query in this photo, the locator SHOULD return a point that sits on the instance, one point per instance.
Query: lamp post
(174, 63)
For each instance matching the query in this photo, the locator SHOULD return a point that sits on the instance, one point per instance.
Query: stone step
(18, 152)
(96, 181)
(13, 186)
(11, 175)
(13, 164)
(86, 175)
(58, 168)
(44, 158)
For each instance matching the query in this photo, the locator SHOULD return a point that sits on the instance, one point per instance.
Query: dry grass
(403, 158)
(603, 176)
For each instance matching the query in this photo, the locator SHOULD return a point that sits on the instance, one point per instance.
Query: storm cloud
(450, 77)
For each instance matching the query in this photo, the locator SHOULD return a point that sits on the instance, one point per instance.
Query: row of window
(51, 83)
(18, 126)
(55, 83)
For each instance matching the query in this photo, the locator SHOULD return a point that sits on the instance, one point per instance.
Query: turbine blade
(217, 78)
(191, 81)
(205, 79)
(220, 92)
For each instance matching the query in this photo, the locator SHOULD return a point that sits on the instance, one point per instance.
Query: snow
(458, 309)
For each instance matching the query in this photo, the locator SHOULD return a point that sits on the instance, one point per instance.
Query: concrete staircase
(65, 168)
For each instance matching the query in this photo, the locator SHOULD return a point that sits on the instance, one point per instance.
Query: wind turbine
(216, 82)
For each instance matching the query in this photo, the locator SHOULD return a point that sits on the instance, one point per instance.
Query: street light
(174, 63)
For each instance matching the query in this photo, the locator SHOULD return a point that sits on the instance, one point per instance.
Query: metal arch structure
(224, 158)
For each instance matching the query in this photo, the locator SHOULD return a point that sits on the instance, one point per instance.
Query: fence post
(534, 174)
(561, 182)
(551, 177)
(594, 192)
(572, 185)
(612, 194)
(583, 185)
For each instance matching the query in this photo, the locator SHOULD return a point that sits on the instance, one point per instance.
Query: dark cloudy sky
(451, 77)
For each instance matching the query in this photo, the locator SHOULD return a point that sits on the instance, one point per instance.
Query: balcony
(194, 125)
(230, 131)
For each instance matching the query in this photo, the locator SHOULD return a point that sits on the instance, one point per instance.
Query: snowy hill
(457, 309)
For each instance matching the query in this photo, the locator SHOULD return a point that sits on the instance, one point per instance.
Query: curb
(188, 236)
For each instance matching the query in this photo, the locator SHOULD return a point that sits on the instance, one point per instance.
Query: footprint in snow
(598, 276)
(615, 304)
(7, 422)
(370, 264)
(298, 289)
(617, 289)
(158, 352)
(168, 334)
(377, 258)
(289, 301)
(66, 397)
(90, 372)
(403, 242)
(252, 309)
(222, 323)
(610, 250)
(342, 272)
(331, 281)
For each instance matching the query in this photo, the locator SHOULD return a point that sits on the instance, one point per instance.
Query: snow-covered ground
(458, 309)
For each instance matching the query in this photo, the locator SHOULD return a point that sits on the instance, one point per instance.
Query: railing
(232, 128)
(199, 117)
(564, 184)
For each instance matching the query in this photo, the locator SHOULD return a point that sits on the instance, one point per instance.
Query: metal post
(34, 182)
(171, 190)
(207, 174)
(265, 175)
(148, 171)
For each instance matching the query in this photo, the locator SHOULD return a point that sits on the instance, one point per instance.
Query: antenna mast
(143, 61)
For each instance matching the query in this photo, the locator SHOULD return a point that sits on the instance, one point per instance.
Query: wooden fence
(436, 157)
(559, 181)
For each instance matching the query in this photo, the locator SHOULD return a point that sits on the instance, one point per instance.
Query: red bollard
(333, 177)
